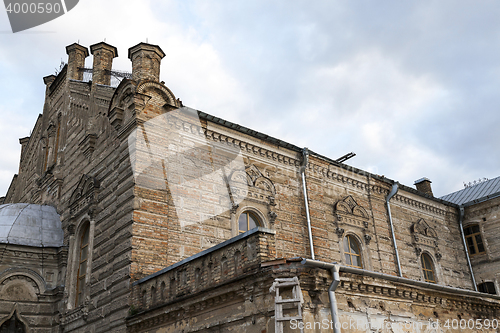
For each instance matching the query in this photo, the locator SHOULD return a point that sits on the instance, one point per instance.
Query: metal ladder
(279, 301)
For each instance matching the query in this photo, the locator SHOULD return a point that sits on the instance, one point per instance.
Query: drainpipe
(331, 291)
(391, 194)
(461, 220)
(302, 169)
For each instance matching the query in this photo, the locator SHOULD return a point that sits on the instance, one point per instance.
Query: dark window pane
(487, 287)
(430, 276)
(83, 268)
(346, 244)
(480, 248)
(83, 254)
(85, 238)
(354, 245)
(470, 242)
(348, 259)
(426, 261)
(479, 240)
(468, 231)
(251, 222)
(490, 288)
(472, 250)
(356, 261)
(242, 222)
(475, 229)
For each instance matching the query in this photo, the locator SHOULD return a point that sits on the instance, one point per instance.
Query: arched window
(428, 268)
(352, 252)
(474, 240)
(487, 287)
(248, 221)
(163, 291)
(13, 324)
(83, 256)
(153, 295)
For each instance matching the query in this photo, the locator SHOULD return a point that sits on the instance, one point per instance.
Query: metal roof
(31, 225)
(475, 192)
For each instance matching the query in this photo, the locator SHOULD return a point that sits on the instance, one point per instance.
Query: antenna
(146, 40)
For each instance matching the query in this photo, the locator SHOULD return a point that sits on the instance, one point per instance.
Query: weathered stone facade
(161, 191)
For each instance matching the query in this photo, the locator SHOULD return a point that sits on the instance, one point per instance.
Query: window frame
(256, 218)
(484, 285)
(79, 289)
(472, 236)
(425, 269)
(347, 238)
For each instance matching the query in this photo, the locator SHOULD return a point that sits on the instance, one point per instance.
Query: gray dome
(31, 225)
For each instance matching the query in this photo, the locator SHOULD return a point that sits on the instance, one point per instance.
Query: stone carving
(349, 206)
(84, 194)
(423, 236)
(422, 228)
(368, 238)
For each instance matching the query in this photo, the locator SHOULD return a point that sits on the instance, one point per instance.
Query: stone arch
(37, 281)
(265, 184)
(360, 211)
(342, 207)
(15, 314)
(240, 176)
(255, 211)
(155, 88)
(125, 88)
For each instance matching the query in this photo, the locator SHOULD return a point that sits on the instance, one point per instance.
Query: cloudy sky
(412, 87)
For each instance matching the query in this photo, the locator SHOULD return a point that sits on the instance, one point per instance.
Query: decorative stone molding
(88, 144)
(84, 195)
(368, 238)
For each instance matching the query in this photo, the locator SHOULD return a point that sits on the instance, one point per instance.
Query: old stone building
(134, 213)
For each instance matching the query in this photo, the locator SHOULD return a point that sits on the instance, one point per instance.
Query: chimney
(146, 60)
(103, 60)
(76, 59)
(424, 186)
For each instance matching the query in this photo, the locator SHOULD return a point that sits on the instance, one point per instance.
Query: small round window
(248, 221)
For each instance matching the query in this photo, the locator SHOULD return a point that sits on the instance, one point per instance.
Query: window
(474, 240)
(13, 324)
(428, 268)
(487, 287)
(248, 221)
(82, 265)
(352, 252)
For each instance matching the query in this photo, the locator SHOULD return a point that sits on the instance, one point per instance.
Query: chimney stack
(103, 60)
(424, 185)
(76, 59)
(146, 59)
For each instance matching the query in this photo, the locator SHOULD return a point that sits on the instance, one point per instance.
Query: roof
(475, 192)
(31, 225)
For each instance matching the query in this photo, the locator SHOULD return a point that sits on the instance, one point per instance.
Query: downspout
(391, 194)
(302, 169)
(461, 220)
(331, 291)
